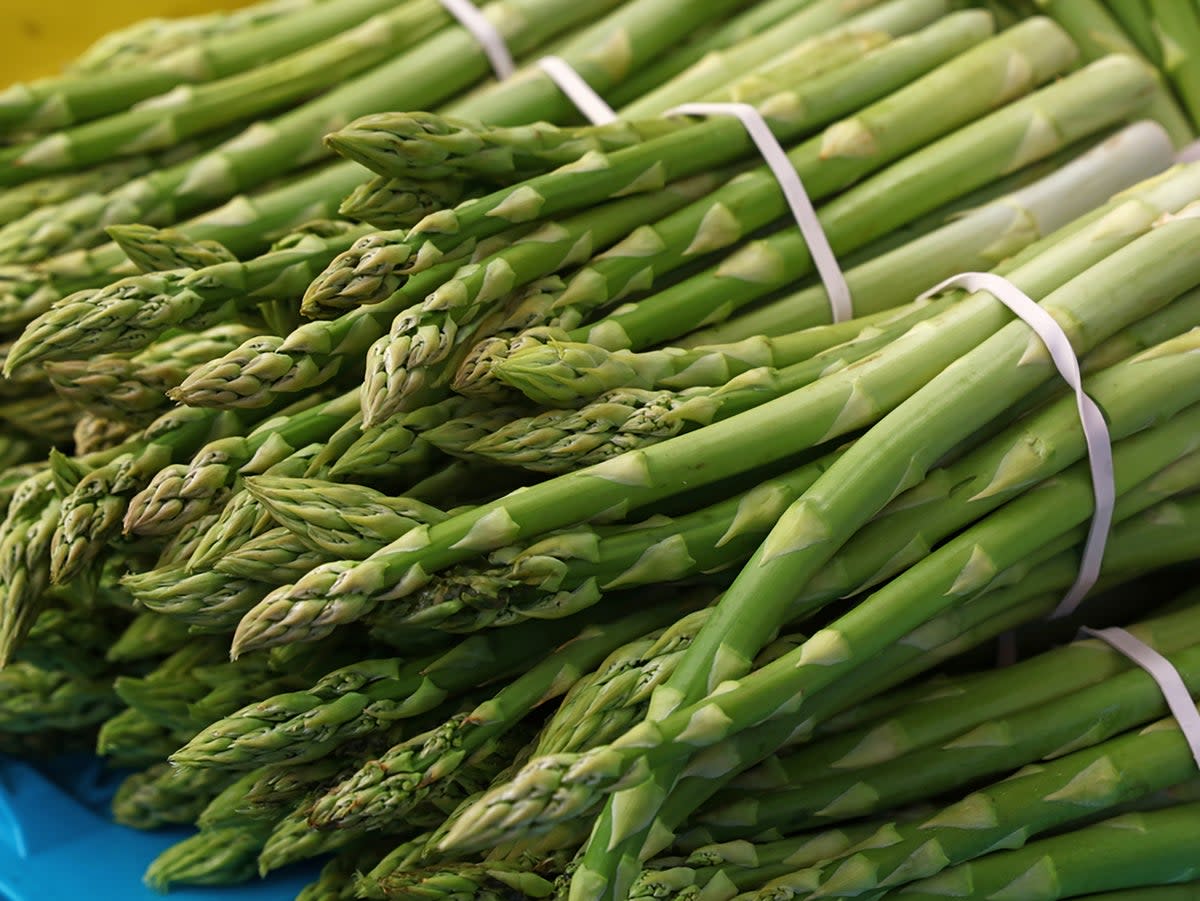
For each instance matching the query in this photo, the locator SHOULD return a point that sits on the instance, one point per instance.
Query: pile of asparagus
(486, 504)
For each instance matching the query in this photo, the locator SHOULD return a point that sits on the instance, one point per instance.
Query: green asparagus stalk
(428, 147)
(164, 249)
(363, 698)
(1097, 34)
(813, 29)
(149, 635)
(276, 557)
(399, 203)
(348, 521)
(58, 102)
(184, 492)
(170, 118)
(165, 796)
(1137, 849)
(48, 417)
(204, 600)
(131, 313)
(1177, 27)
(93, 433)
(34, 699)
(132, 388)
(393, 784)
(214, 857)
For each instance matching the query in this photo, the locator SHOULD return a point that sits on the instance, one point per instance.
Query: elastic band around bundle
(1189, 154)
(840, 301)
(578, 91)
(1095, 429)
(1163, 672)
(489, 38)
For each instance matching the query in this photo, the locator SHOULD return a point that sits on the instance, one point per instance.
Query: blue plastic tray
(56, 840)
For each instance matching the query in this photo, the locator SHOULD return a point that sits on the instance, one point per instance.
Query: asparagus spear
(398, 203)
(32, 699)
(337, 594)
(56, 102)
(1039, 798)
(275, 558)
(1137, 849)
(164, 249)
(164, 795)
(393, 784)
(208, 600)
(130, 388)
(1177, 27)
(345, 520)
(132, 312)
(815, 26)
(93, 433)
(179, 494)
(165, 120)
(212, 857)
(427, 147)
(363, 698)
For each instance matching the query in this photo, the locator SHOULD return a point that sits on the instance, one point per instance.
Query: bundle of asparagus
(498, 511)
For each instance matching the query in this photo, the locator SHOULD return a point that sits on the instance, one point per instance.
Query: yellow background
(38, 36)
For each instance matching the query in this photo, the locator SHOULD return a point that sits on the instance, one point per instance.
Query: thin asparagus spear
(165, 120)
(398, 203)
(363, 698)
(393, 784)
(164, 795)
(131, 313)
(32, 699)
(56, 102)
(1177, 27)
(427, 147)
(345, 520)
(809, 28)
(132, 388)
(179, 494)
(275, 557)
(93, 433)
(213, 857)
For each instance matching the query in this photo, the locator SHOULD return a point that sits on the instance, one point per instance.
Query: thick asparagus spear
(1137, 849)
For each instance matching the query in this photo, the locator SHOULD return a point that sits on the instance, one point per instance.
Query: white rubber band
(490, 40)
(578, 91)
(1095, 429)
(1162, 671)
(1189, 154)
(790, 183)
